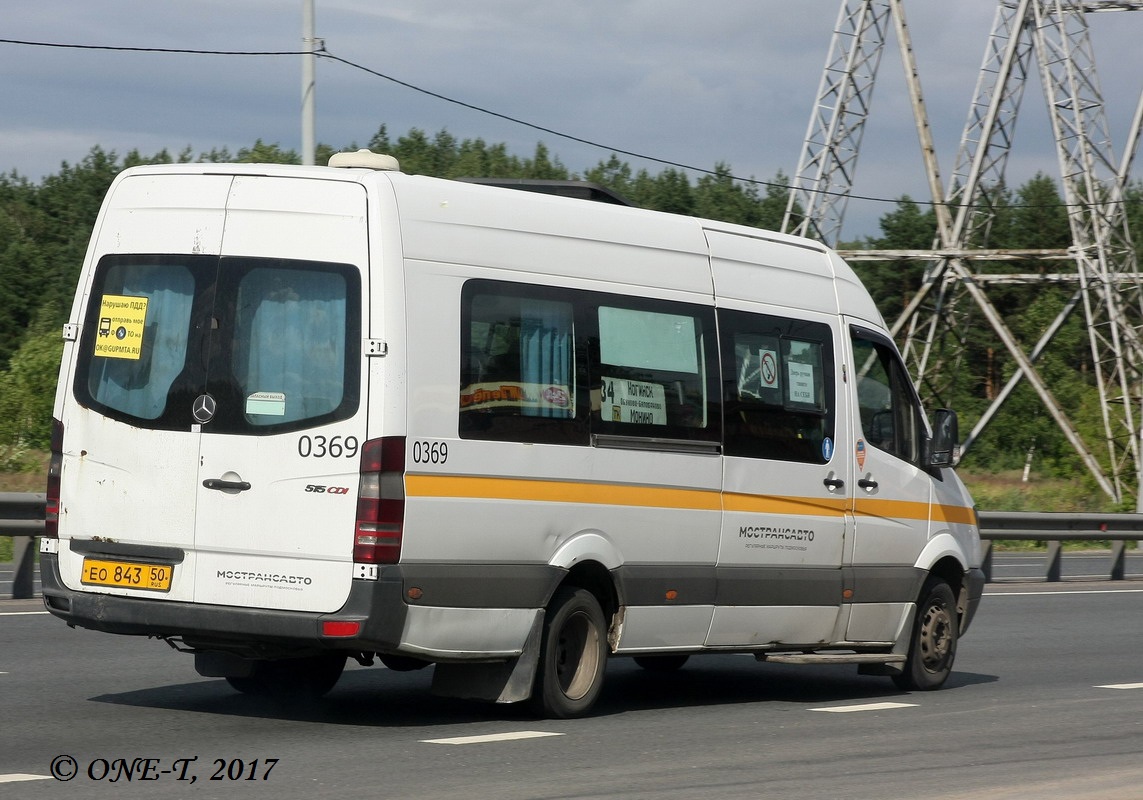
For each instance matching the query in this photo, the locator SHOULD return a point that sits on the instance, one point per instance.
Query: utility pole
(308, 82)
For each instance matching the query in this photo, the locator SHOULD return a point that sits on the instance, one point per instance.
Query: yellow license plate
(127, 575)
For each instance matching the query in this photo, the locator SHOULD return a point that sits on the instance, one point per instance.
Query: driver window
(887, 405)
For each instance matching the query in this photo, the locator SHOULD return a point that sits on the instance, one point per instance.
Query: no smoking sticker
(768, 369)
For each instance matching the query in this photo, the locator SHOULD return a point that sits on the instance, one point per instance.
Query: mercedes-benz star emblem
(203, 408)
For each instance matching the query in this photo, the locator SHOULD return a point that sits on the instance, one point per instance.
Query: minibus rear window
(274, 342)
(141, 314)
(289, 344)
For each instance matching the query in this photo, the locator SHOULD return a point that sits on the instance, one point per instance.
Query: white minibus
(307, 414)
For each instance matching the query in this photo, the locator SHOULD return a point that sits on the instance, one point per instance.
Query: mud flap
(499, 681)
(900, 648)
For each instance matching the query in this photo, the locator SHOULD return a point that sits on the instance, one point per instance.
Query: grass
(1008, 492)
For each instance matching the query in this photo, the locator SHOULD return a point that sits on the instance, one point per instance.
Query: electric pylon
(1052, 36)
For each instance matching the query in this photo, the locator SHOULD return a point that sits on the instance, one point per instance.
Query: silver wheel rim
(936, 639)
(577, 655)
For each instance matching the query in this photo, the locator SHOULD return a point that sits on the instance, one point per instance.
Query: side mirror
(944, 447)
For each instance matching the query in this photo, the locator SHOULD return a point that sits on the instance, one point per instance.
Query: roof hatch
(365, 159)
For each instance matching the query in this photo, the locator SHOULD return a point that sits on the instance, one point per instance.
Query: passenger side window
(887, 404)
(652, 370)
(519, 376)
(553, 365)
(778, 389)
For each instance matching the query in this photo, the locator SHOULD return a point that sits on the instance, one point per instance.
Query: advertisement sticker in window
(121, 321)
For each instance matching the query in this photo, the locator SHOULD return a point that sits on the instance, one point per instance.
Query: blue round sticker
(827, 448)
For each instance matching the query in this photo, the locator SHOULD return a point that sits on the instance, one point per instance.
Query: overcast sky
(729, 81)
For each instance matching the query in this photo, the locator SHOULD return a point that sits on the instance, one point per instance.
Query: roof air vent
(365, 159)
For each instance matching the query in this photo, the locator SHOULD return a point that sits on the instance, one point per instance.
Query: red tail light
(55, 466)
(380, 501)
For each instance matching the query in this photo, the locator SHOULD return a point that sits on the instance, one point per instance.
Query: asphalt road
(1046, 702)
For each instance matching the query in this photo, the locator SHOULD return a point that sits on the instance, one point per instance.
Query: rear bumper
(378, 605)
(451, 630)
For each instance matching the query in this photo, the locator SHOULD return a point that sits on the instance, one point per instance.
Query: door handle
(834, 483)
(867, 483)
(222, 486)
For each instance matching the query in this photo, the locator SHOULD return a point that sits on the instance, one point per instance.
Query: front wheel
(932, 649)
(573, 654)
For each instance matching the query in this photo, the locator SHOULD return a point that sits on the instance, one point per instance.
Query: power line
(322, 52)
(60, 45)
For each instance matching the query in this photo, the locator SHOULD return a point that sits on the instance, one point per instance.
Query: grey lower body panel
(382, 607)
(642, 585)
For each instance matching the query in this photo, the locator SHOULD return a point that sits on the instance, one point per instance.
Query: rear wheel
(932, 649)
(300, 678)
(573, 655)
(670, 663)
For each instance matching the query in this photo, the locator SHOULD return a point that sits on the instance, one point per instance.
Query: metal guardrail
(22, 516)
(1058, 527)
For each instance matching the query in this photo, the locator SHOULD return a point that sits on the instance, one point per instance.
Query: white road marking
(1078, 591)
(865, 707)
(16, 777)
(492, 737)
(1121, 686)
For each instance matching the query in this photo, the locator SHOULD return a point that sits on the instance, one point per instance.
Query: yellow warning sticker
(121, 321)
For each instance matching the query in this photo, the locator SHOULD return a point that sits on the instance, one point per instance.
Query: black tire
(292, 678)
(671, 663)
(932, 648)
(573, 656)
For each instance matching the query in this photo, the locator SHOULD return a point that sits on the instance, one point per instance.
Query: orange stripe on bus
(773, 504)
(561, 492)
(551, 491)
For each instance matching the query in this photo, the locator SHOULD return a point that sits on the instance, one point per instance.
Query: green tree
(263, 153)
(27, 392)
(670, 191)
(21, 264)
(718, 196)
(612, 174)
(772, 205)
(543, 167)
(892, 283)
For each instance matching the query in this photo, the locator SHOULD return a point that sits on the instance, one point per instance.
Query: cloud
(733, 81)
